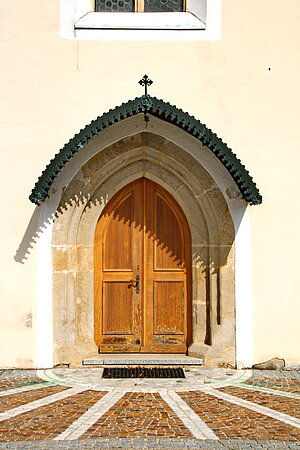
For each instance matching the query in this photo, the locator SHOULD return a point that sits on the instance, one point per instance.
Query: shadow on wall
(161, 235)
(145, 148)
(33, 232)
(209, 263)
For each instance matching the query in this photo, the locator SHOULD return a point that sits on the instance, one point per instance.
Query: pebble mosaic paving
(14, 400)
(230, 421)
(211, 408)
(47, 422)
(13, 383)
(281, 384)
(288, 405)
(141, 415)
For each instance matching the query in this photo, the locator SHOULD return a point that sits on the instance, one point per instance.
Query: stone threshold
(140, 359)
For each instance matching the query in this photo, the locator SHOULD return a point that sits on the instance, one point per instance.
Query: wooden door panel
(167, 244)
(117, 308)
(172, 343)
(168, 312)
(143, 232)
(168, 237)
(117, 245)
(117, 248)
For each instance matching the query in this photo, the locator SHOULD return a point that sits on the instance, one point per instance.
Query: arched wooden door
(142, 273)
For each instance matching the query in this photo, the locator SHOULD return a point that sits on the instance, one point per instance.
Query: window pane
(114, 6)
(163, 5)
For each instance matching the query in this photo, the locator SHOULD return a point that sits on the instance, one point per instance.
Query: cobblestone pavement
(209, 409)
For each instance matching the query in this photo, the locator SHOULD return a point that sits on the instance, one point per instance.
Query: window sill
(140, 21)
(201, 23)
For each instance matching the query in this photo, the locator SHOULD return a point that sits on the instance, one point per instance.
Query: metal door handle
(136, 283)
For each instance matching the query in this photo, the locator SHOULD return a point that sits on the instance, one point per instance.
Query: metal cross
(145, 81)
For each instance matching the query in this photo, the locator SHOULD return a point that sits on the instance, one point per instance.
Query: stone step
(140, 359)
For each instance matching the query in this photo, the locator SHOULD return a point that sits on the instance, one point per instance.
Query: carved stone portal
(179, 172)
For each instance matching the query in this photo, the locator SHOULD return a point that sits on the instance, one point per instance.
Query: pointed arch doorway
(142, 273)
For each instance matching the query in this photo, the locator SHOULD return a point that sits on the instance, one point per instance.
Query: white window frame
(201, 21)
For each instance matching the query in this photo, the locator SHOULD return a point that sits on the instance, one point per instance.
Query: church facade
(162, 212)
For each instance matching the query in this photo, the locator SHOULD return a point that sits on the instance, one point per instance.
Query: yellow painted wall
(51, 88)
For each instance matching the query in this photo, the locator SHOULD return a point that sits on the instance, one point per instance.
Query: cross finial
(145, 81)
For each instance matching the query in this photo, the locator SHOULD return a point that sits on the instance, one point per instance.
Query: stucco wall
(243, 86)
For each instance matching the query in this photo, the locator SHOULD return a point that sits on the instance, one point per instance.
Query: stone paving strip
(139, 415)
(15, 400)
(152, 443)
(195, 378)
(48, 421)
(229, 421)
(41, 402)
(91, 416)
(190, 419)
(288, 406)
(12, 382)
(254, 407)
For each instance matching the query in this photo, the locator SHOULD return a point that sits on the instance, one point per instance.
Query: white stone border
(91, 416)
(189, 418)
(243, 290)
(44, 314)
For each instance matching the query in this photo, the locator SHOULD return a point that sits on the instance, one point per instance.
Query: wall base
(213, 356)
(73, 355)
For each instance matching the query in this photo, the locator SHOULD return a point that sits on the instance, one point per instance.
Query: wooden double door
(142, 273)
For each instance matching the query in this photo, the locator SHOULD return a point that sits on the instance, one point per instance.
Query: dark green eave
(164, 111)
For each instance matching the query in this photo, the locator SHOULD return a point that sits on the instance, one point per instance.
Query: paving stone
(48, 421)
(160, 444)
(229, 421)
(140, 415)
(14, 400)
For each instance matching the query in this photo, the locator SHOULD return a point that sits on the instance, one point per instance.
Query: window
(161, 15)
(139, 6)
(182, 20)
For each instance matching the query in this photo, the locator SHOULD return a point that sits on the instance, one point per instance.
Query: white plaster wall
(243, 86)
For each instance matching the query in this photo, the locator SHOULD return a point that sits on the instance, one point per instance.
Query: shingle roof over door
(151, 106)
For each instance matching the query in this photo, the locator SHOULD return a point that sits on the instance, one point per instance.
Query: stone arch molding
(120, 156)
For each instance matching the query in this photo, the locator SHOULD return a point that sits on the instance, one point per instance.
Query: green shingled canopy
(149, 105)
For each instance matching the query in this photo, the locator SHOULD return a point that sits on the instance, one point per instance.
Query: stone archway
(144, 154)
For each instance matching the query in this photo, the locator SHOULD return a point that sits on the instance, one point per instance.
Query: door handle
(136, 283)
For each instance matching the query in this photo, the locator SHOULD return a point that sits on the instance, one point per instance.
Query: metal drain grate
(143, 372)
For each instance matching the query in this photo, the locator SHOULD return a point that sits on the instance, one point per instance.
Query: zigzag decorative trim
(164, 111)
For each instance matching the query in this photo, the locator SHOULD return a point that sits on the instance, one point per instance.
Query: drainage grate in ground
(143, 372)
